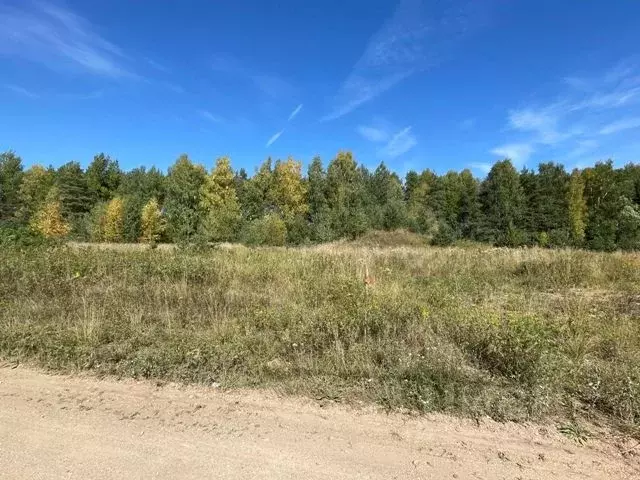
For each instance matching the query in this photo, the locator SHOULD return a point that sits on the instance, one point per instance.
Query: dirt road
(58, 427)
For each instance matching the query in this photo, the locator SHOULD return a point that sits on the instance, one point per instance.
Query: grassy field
(511, 333)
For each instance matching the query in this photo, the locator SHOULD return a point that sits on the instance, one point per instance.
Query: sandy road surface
(59, 427)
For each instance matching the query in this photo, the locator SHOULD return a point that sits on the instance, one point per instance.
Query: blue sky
(418, 84)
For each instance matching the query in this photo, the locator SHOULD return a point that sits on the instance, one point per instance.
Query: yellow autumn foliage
(114, 220)
(152, 223)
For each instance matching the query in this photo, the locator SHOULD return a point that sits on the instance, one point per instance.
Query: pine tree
(74, 193)
(220, 203)
(388, 210)
(502, 200)
(604, 202)
(152, 223)
(114, 220)
(10, 179)
(103, 176)
(469, 209)
(48, 221)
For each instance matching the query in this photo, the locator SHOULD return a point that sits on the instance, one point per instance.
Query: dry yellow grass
(510, 333)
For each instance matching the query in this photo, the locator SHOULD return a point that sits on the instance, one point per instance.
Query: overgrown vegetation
(596, 208)
(510, 333)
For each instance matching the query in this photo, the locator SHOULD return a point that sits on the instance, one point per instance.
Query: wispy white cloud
(583, 147)
(409, 42)
(481, 167)
(543, 123)
(571, 121)
(518, 153)
(21, 91)
(295, 112)
(620, 125)
(210, 116)
(400, 143)
(59, 38)
(373, 134)
(274, 137)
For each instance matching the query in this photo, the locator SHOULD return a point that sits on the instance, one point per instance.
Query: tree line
(596, 207)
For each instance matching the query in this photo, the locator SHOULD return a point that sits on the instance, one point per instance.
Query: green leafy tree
(577, 208)
(319, 212)
(136, 188)
(347, 197)
(502, 200)
(10, 180)
(183, 200)
(220, 203)
(629, 227)
(420, 202)
(36, 183)
(256, 199)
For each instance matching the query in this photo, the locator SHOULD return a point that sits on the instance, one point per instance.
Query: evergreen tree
(74, 193)
(387, 198)
(604, 203)
(103, 177)
(183, 199)
(220, 203)
(469, 208)
(502, 200)
(546, 205)
(411, 182)
(10, 179)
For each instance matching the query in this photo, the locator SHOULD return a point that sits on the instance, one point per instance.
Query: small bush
(268, 230)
